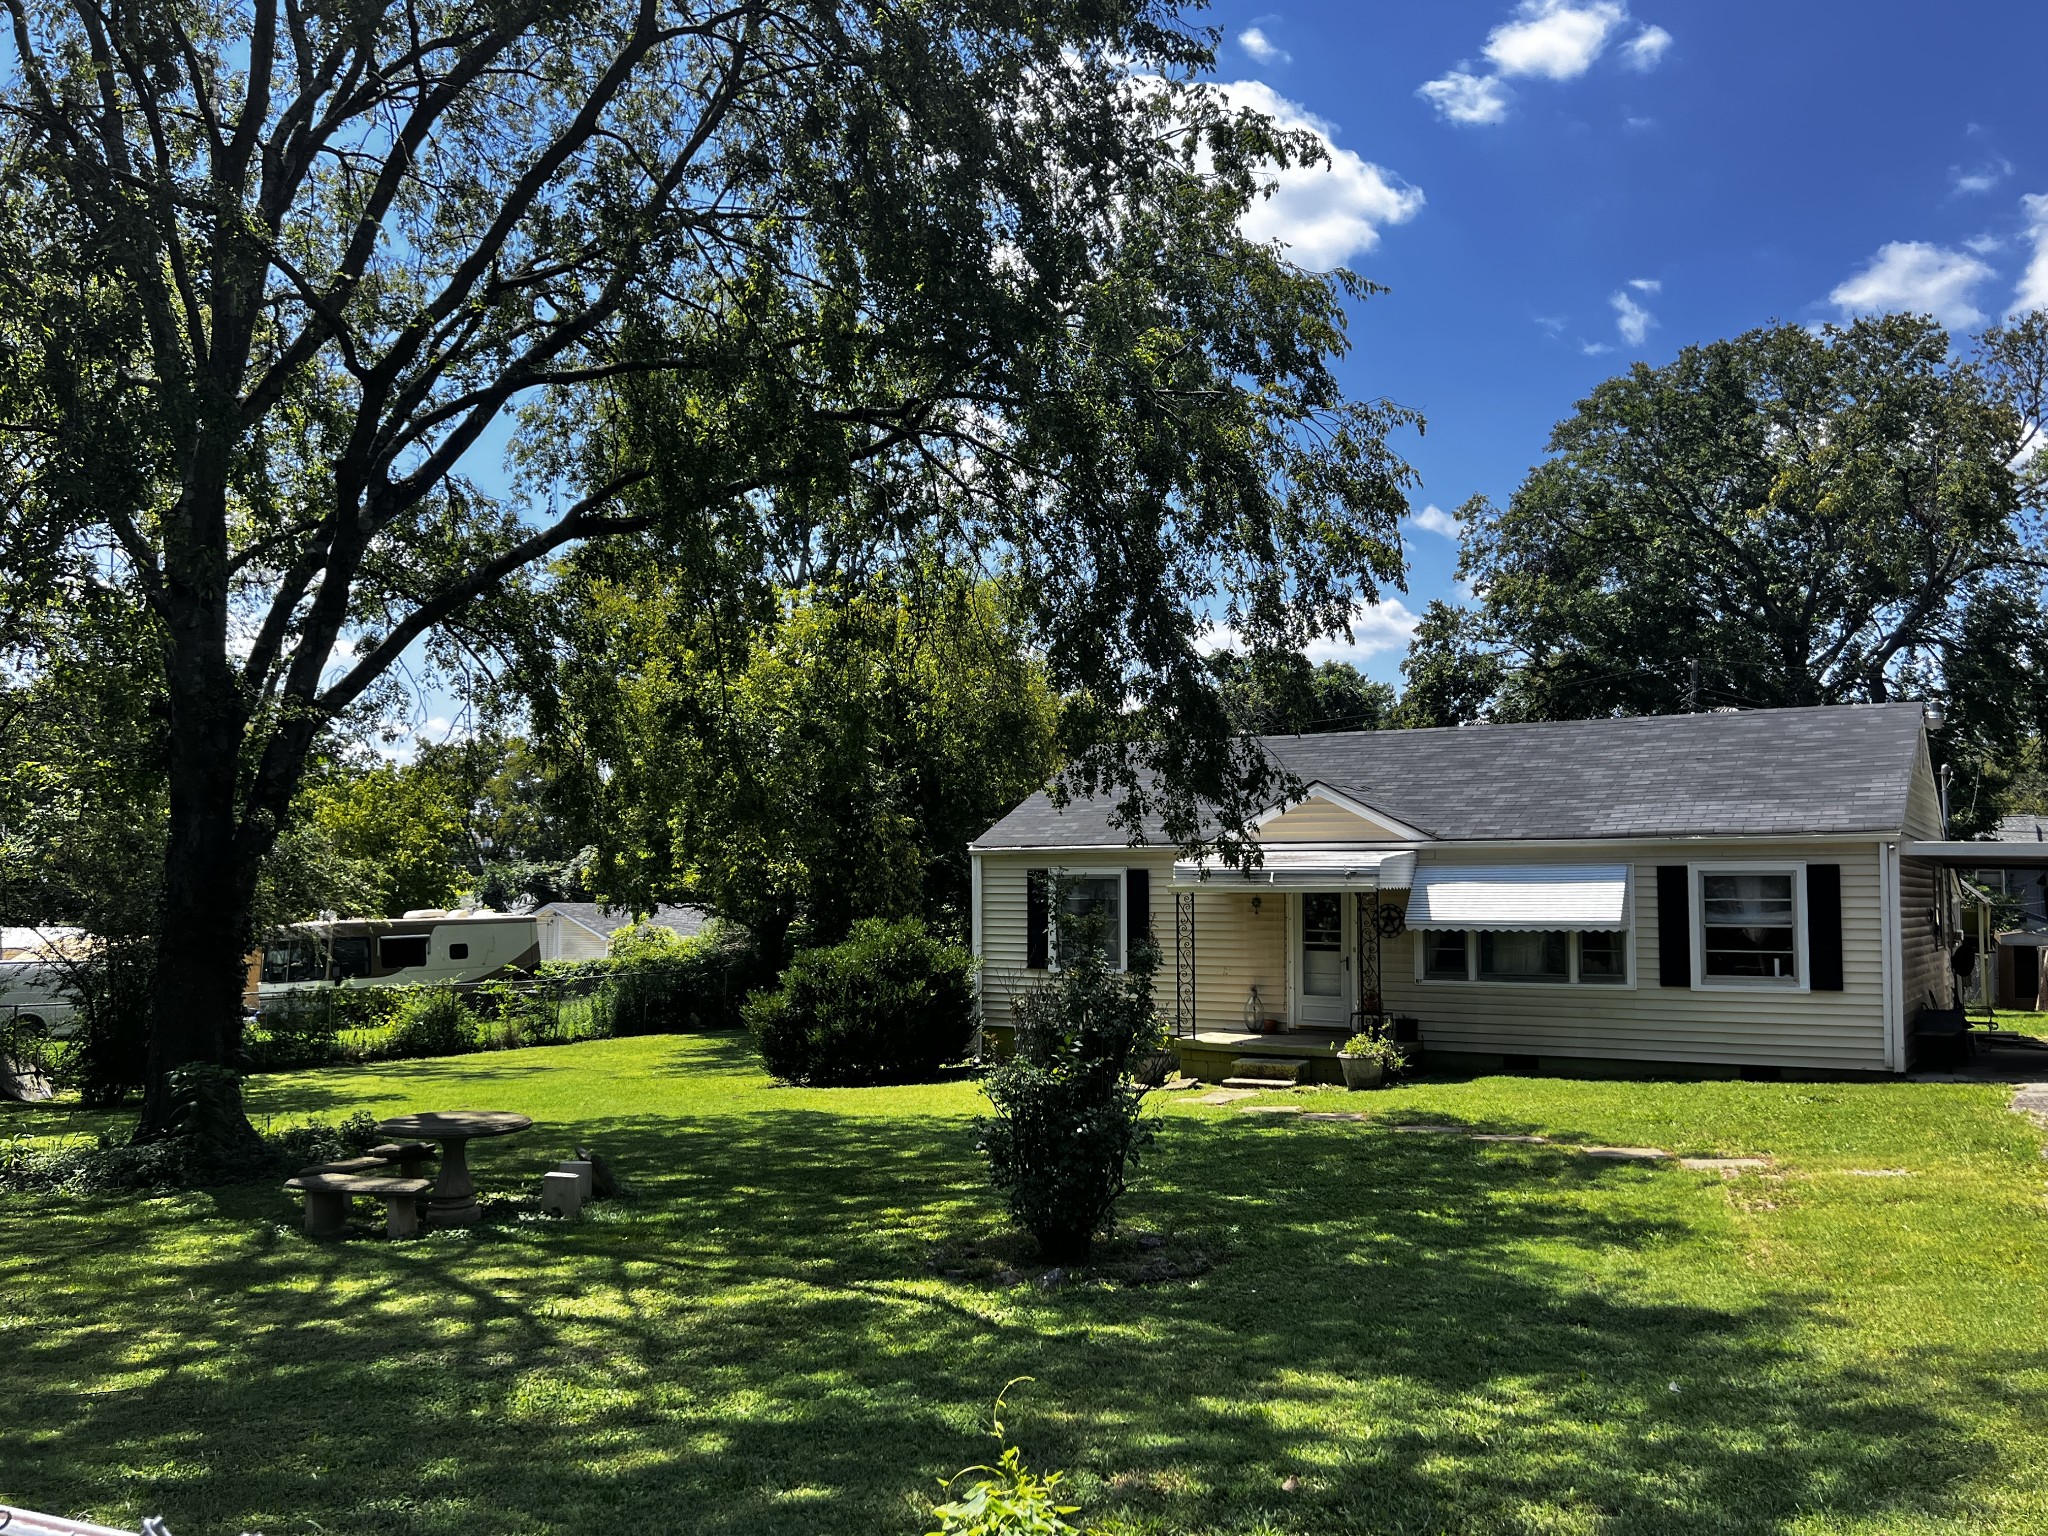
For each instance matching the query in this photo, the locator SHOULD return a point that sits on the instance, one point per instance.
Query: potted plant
(1366, 1059)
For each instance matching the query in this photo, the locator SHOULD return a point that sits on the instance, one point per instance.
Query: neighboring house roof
(604, 921)
(1756, 773)
(2023, 828)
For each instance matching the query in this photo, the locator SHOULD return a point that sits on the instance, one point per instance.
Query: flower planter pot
(1361, 1073)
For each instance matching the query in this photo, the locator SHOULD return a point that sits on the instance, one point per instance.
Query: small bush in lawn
(893, 1004)
(1008, 1499)
(1066, 1127)
(658, 982)
(433, 1021)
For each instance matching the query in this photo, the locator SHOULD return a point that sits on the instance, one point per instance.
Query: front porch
(1213, 1054)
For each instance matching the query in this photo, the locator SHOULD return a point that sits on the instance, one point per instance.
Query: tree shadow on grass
(1428, 1333)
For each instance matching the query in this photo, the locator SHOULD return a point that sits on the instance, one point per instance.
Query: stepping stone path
(2032, 1101)
(1628, 1154)
(1225, 1096)
(1727, 1167)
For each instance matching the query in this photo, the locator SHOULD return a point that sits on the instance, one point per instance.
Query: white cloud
(1646, 48)
(1376, 628)
(1630, 318)
(1547, 40)
(1466, 98)
(1914, 276)
(1984, 245)
(2033, 289)
(1554, 39)
(1982, 179)
(1646, 284)
(1551, 325)
(1326, 213)
(1254, 41)
(1595, 348)
(1436, 520)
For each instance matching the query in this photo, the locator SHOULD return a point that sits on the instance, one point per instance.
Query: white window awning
(1301, 869)
(1524, 897)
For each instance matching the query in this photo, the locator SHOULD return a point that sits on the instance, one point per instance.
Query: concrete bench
(411, 1157)
(328, 1194)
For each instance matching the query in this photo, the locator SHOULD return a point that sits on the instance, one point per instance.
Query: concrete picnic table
(453, 1201)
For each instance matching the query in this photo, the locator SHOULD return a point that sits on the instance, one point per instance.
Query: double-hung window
(1749, 927)
(1091, 915)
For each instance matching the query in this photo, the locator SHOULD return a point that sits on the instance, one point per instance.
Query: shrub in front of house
(660, 983)
(894, 1003)
(1067, 1126)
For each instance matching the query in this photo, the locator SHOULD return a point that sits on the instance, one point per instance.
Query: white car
(32, 997)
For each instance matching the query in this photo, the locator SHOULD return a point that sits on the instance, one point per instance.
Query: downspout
(1891, 899)
(974, 942)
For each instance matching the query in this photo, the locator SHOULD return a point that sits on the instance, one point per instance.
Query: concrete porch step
(1284, 1068)
(1260, 1084)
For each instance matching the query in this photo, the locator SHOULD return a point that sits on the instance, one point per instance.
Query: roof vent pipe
(1935, 713)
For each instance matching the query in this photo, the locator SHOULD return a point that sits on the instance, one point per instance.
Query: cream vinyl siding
(1923, 963)
(1648, 1022)
(1317, 820)
(1003, 918)
(1645, 1022)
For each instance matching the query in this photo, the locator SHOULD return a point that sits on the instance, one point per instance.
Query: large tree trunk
(203, 934)
(203, 930)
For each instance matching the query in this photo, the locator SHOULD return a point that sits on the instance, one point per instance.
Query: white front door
(1322, 960)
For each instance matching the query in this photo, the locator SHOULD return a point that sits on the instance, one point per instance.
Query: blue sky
(1555, 189)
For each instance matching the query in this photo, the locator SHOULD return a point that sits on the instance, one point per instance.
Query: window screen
(1089, 917)
(458, 951)
(1603, 956)
(1524, 957)
(1748, 926)
(1443, 956)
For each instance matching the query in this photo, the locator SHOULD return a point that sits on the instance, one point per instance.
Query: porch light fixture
(1256, 900)
(1254, 1010)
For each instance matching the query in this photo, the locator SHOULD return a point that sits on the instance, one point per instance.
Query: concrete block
(561, 1193)
(586, 1176)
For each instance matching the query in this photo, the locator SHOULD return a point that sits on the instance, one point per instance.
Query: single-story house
(1756, 889)
(582, 930)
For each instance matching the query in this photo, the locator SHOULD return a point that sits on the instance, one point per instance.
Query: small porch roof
(1977, 855)
(1302, 869)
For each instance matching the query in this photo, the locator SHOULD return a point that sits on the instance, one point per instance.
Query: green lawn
(1428, 1333)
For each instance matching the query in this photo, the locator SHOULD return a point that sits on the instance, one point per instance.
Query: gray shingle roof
(2023, 828)
(1758, 773)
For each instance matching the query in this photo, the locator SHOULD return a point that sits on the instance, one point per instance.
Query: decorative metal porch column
(1184, 964)
(1372, 1007)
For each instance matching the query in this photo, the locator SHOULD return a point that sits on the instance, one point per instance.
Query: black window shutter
(1674, 925)
(1137, 921)
(1037, 951)
(1824, 925)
